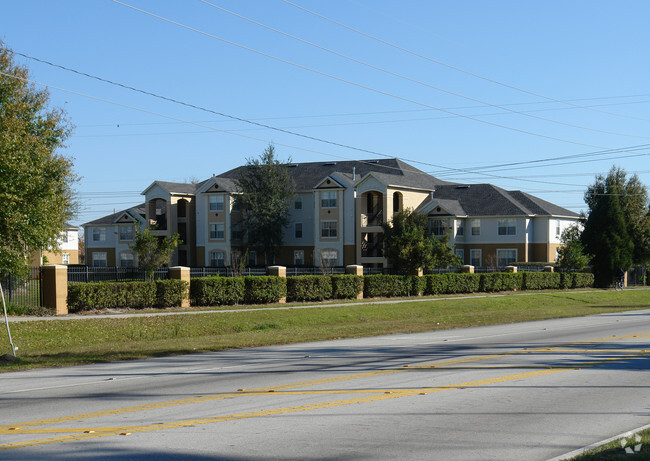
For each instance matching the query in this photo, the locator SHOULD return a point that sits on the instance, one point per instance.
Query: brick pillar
(549, 269)
(54, 280)
(353, 269)
(512, 269)
(279, 271)
(467, 269)
(181, 273)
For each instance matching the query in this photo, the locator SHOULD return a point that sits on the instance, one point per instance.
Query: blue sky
(456, 88)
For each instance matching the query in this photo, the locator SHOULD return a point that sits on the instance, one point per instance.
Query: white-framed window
(217, 259)
(251, 259)
(506, 256)
(127, 259)
(217, 231)
(216, 202)
(298, 204)
(476, 227)
(328, 229)
(328, 199)
(99, 234)
(461, 254)
(507, 226)
(329, 258)
(99, 259)
(475, 257)
(438, 226)
(297, 230)
(460, 228)
(127, 232)
(65, 258)
(558, 229)
(64, 237)
(298, 257)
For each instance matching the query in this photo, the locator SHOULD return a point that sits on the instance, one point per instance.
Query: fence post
(549, 269)
(55, 288)
(181, 273)
(279, 271)
(512, 269)
(467, 269)
(355, 270)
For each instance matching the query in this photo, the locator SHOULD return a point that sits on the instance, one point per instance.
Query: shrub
(463, 283)
(264, 289)
(309, 288)
(346, 286)
(391, 285)
(435, 284)
(582, 280)
(171, 293)
(216, 291)
(102, 295)
(541, 280)
(501, 281)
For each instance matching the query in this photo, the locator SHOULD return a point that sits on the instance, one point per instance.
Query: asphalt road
(523, 391)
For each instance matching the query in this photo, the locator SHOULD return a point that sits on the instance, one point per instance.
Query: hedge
(136, 295)
(542, 280)
(501, 281)
(264, 289)
(346, 286)
(451, 283)
(216, 291)
(387, 286)
(309, 288)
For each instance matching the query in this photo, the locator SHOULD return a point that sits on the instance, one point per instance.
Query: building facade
(336, 218)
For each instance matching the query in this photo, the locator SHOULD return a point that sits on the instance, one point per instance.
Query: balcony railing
(375, 218)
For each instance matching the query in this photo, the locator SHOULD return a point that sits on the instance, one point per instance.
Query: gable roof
(140, 210)
(392, 171)
(490, 200)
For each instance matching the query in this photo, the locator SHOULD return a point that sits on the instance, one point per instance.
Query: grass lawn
(69, 342)
(638, 446)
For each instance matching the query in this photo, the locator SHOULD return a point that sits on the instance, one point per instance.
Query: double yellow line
(370, 395)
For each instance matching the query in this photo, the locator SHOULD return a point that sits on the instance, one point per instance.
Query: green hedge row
(136, 295)
(216, 291)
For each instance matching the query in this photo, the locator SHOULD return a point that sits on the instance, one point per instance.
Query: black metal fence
(23, 292)
(112, 274)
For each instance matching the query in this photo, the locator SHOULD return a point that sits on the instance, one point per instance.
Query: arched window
(127, 259)
(397, 202)
(217, 259)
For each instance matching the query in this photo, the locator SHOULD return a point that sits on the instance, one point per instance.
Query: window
(217, 259)
(329, 258)
(297, 230)
(251, 260)
(299, 257)
(217, 230)
(216, 202)
(461, 254)
(460, 228)
(181, 206)
(476, 227)
(99, 259)
(438, 227)
(397, 202)
(235, 205)
(127, 259)
(506, 257)
(235, 232)
(475, 257)
(99, 234)
(328, 229)
(65, 258)
(558, 229)
(507, 226)
(298, 204)
(127, 232)
(64, 237)
(328, 199)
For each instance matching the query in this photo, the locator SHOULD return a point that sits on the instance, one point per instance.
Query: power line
(349, 82)
(458, 69)
(419, 82)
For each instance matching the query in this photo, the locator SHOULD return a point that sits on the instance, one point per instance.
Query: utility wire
(419, 82)
(349, 82)
(458, 69)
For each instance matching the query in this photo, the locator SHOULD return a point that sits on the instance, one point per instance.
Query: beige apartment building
(336, 218)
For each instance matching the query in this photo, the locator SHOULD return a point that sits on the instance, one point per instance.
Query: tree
(633, 200)
(36, 182)
(266, 189)
(407, 247)
(606, 237)
(571, 255)
(153, 251)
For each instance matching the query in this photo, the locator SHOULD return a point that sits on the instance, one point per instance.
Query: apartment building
(336, 218)
(66, 251)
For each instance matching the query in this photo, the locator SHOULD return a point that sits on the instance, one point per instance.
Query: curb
(580, 451)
